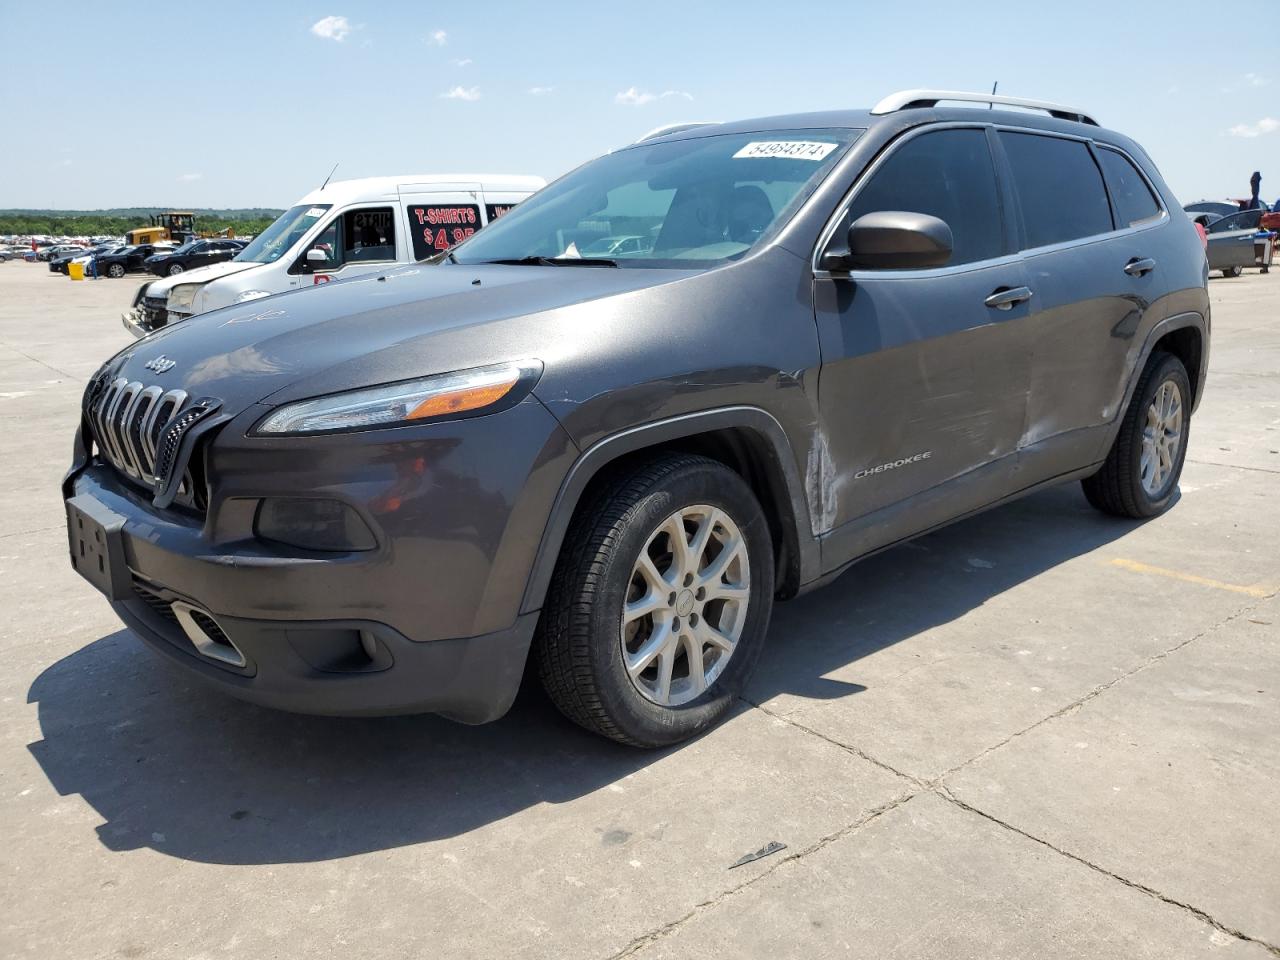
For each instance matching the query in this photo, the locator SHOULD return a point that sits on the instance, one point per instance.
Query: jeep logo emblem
(160, 364)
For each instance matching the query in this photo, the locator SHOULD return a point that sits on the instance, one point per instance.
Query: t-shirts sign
(437, 227)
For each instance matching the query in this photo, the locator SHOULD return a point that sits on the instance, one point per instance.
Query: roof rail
(675, 128)
(909, 99)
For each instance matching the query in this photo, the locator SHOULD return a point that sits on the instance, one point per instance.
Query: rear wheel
(175, 269)
(660, 602)
(1141, 472)
(1232, 271)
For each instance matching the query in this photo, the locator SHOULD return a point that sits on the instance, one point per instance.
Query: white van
(342, 230)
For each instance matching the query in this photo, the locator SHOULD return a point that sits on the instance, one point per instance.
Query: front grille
(155, 311)
(127, 420)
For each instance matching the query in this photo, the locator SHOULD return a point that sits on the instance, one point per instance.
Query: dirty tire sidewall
(615, 707)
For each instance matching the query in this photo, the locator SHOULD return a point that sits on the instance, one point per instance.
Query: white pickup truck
(342, 230)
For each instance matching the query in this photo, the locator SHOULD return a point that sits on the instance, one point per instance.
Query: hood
(213, 271)
(410, 321)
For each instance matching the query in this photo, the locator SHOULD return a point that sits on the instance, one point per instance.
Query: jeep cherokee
(838, 331)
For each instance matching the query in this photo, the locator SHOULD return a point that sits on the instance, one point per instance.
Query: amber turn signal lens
(459, 401)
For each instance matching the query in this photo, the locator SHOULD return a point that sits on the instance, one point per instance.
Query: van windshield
(275, 241)
(690, 203)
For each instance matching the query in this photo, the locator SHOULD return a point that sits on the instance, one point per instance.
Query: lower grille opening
(205, 635)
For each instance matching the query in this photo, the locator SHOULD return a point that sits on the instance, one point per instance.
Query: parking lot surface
(1041, 732)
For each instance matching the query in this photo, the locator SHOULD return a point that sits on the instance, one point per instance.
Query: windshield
(689, 203)
(275, 241)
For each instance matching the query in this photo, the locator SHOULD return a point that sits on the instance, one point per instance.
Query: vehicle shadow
(174, 766)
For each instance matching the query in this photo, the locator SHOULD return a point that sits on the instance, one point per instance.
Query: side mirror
(892, 240)
(315, 255)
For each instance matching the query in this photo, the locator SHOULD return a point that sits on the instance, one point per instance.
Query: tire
(115, 270)
(1232, 272)
(1130, 483)
(174, 269)
(584, 639)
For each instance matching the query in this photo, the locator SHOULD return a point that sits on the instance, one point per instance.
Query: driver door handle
(1006, 298)
(1139, 266)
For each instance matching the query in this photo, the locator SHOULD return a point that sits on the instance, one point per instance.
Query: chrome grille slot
(127, 419)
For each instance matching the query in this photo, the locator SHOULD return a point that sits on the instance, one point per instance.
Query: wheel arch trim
(634, 439)
(1179, 321)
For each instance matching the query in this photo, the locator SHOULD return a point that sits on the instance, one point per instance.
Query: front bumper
(173, 594)
(427, 622)
(343, 667)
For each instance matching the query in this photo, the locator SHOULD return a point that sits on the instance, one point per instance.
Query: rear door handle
(1139, 267)
(1005, 298)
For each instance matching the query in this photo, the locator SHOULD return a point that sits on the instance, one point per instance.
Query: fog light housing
(312, 524)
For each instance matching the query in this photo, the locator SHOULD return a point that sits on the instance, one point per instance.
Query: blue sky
(231, 103)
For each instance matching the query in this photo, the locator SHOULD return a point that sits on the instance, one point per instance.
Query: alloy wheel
(686, 605)
(1161, 438)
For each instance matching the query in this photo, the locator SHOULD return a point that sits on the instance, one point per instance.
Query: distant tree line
(114, 222)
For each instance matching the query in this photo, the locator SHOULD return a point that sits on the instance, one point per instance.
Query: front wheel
(660, 602)
(116, 270)
(1232, 272)
(1141, 472)
(175, 269)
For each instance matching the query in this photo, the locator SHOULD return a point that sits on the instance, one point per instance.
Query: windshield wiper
(556, 262)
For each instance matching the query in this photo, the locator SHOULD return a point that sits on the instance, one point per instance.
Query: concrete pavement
(1038, 733)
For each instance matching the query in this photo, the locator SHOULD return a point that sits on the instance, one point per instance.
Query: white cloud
(541, 91)
(635, 97)
(438, 37)
(1256, 80)
(461, 93)
(464, 62)
(332, 28)
(189, 177)
(1250, 130)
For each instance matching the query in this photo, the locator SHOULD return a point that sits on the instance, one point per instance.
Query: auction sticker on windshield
(793, 149)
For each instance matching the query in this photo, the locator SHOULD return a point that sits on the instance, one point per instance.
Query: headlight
(252, 295)
(182, 295)
(481, 389)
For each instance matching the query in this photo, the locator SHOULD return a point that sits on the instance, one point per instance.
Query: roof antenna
(328, 178)
(992, 106)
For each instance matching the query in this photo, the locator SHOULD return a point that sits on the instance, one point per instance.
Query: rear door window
(947, 174)
(1060, 189)
(1133, 200)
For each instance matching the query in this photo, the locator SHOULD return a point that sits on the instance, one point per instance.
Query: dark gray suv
(839, 331)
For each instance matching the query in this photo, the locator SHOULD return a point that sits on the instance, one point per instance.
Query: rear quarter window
(1133, 199)
(1060, 189)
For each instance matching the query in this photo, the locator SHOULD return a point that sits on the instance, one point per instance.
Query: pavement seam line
(23, 533)
(1232, 466)
(1100, 689)
(36, 360)
(944, 792)
(847, 747)
(664, 931)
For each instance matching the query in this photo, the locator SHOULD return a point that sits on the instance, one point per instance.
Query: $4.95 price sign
(437, 227)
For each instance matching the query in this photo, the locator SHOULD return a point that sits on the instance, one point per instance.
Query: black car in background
(62, 263)
(197, 253)
(116, 263)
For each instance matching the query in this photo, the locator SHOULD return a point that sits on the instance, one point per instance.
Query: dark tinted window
(1059, 188)
(1244, 220)
(949, 175)
(1133, 199)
